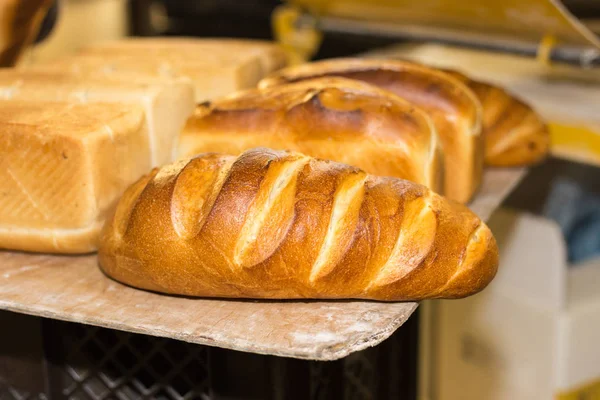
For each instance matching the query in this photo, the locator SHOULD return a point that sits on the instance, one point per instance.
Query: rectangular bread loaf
(216, 50)
(216, 67)
(62, 166)
(210, 80)
(330, 118)
(167, 103)
(455, 110)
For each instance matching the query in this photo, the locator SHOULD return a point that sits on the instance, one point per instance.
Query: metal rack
(74, 361)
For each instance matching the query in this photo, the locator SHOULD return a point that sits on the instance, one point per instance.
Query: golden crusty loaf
(281, 225)
(167, 103)
(333, 118)
(454, 108)
(62, 167)
(514, 133)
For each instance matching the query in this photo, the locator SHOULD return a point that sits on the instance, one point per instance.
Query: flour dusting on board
(360, 326)
(22, 269)
(318, 337)
(353, 325)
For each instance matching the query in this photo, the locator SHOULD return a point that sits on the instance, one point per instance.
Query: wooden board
(72, 288)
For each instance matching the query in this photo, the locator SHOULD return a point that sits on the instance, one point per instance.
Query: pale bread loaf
(62, 166)
(214, 50)
(209, 80)
(215, 67)
(167, 103)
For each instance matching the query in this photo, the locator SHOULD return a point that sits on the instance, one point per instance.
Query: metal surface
(22, 365)
(516, 20)
(95, 363)
(8, 392)
(583, 56)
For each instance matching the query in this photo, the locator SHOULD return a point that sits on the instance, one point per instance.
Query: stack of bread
(79, 131)
(206, 168)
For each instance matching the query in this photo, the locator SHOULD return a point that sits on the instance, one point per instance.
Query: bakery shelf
(72, 288)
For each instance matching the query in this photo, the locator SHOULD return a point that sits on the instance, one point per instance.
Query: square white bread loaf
(62, 167)
(215, 50)
(216, 68)
(209, 80)
(167, 103)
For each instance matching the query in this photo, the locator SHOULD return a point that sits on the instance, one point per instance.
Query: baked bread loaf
(454, 108)
(216, 68)
(280, 225)
(514, 133)
(167, 103)
(62, 166)
(211, 50)
(209, 80)
(333, 118)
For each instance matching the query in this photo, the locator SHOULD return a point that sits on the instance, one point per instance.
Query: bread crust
(514, 134)
(281, 225)
(454, 108)
(333, 118)
(190, 49)
(167, 105)
(63, 167)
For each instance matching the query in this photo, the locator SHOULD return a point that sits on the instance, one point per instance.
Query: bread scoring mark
(415, 241)
(271, 213)
(527, 127)
(311, 96)
(168, 171)
(475, 249)
(506, 141)
(195, 192)
(348, 199)
(111, 133)
(128, 202)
